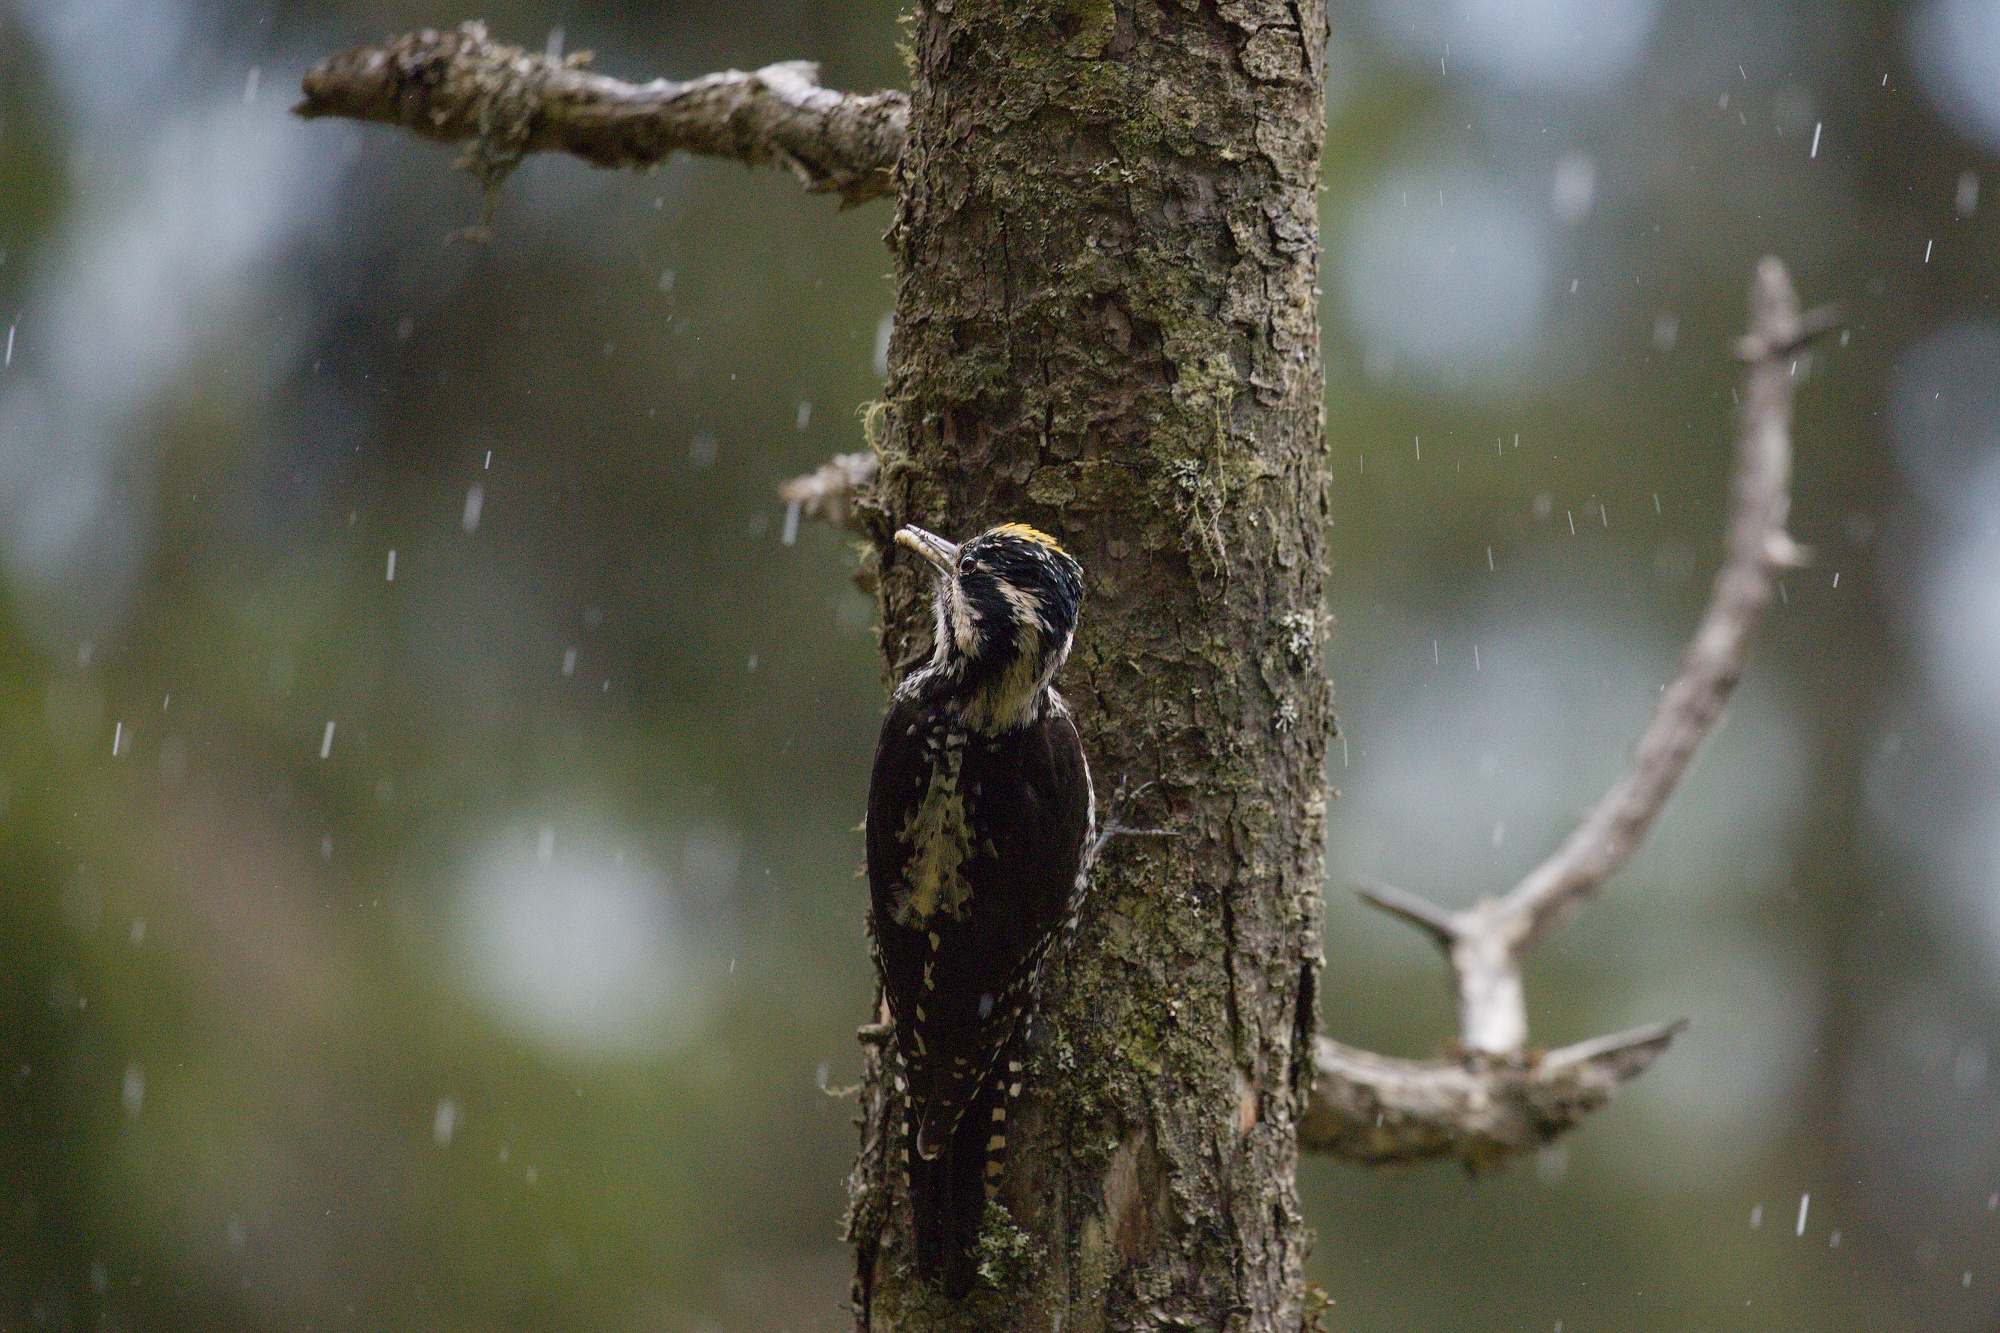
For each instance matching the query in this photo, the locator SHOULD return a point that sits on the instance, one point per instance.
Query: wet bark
(1106, 325)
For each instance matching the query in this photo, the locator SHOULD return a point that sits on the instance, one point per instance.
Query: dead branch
(505, 102)
(1495, 1097)
(1479, 1109)
(831, 492)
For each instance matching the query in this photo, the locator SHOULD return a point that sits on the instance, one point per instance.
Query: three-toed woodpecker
(980, 813)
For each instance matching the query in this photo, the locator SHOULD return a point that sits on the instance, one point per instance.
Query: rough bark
(1106, 325)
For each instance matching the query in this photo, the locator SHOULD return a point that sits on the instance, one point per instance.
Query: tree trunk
(1106, 325)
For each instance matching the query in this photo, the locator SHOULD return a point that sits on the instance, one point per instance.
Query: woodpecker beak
(930, 546)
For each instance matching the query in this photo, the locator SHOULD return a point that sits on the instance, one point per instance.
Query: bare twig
(505, 103)
(1495, 1097)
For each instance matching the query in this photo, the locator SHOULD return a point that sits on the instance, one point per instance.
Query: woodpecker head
(1007, 602)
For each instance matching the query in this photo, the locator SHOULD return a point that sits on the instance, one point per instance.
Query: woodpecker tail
(948, 1193)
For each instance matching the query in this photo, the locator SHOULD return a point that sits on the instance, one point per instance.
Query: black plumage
(980, 814)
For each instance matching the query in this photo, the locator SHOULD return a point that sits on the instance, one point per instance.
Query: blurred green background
(479, 948)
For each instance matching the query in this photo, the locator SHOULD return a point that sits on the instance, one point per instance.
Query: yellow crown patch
(1027, 533)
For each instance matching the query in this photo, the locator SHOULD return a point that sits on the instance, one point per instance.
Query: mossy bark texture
(1106, 325)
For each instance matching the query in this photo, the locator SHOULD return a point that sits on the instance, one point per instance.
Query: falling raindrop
(1575, 189)
(444, 1123)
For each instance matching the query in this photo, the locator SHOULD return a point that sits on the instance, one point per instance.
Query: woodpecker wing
(959, 966)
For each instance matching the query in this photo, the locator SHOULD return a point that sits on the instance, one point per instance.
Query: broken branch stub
(834, 490)
(1496, 1097)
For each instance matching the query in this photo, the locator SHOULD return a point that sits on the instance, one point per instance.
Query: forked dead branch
(1495, 1097)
